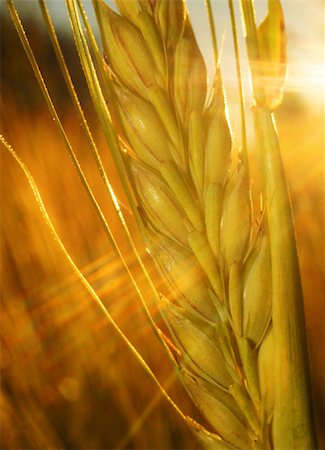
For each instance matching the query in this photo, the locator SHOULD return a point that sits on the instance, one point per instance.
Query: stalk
(293, 426)
(293, 417)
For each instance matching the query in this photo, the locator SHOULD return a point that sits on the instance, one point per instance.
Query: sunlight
(307, 79)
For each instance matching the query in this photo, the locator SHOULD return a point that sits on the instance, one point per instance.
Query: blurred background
(67, 379)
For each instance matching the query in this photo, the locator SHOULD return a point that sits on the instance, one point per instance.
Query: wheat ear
(194, 199)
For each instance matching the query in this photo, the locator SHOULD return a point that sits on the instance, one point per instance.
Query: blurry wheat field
(67, 380)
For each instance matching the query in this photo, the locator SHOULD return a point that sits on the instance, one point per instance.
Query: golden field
(67, 379)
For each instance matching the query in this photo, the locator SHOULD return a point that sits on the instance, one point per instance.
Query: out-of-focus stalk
(293, 426)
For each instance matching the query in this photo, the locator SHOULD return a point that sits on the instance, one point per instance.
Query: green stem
(293, 426)
(293, 416)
